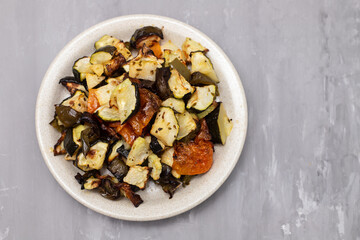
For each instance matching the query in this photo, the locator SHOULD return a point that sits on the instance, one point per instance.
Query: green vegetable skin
(68, 116)
(88, 136)
(181, 68)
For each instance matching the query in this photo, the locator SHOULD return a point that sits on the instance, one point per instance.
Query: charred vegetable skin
(144, 33)
(153, 116)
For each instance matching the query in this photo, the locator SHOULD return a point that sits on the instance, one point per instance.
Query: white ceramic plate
(157, 204)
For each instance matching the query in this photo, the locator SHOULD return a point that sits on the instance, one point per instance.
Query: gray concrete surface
(299, 174)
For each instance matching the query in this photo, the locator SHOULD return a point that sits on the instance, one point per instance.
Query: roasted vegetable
(118, 168)
(126, 191)
(103, 93)
(181, 68)
(202, 98)
(193, 158)
(103, 55)
(171, 51)
(92, 80)
(161, 82)
(59, 146)
(146, 35)
(108, 114)
(165, 127)
(199, 79)
(156, 145)
(81, 67)
(155, 165)
(219, 124)
(72, 85)
(149, 105)
(178, 84)
(168, 183)
(168, 157)
(201, 63)
(187, 124)
(126, 99)
(114, 64)
(177, 105)
(137, 176)
(55, 123)
(189, 46)
(144, 65)
(95, 157)
(113, 150)
(140, 150)
(67, 115)
(88, 137)
(106, 40)
(211, 108)
(77, 101)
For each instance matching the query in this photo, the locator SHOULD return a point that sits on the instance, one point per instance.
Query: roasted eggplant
(95, 157)
(71, 84)
(118, 168)
(156, 145)
(161, 82)
(77, 101)
(146, 35)
(137, 176)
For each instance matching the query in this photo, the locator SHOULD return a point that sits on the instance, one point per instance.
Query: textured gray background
(298, 176)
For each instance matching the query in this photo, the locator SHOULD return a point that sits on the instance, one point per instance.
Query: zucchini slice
(177, 105)
(106, 40)
(103, 93)
(103, 55)
(113, 150)
(95, 157)
(92, 80)
(81, 67)
(146, 35)
(72, 140)
(137, 176)
(165, 127)
(201, 63)
(168, 156)
(77, 101)
(178, 84)
(108, 114)
(155, 165)
(190, 46)
(126, 98)
(140, 150)
(92, 183)
(202, 98)
(219, 124)
(187, 124)
(171, 51)
(72, 85)
(211, 108)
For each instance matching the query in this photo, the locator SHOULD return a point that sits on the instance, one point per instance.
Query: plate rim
(99, 209)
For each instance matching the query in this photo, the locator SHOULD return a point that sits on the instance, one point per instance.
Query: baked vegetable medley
(138, 111)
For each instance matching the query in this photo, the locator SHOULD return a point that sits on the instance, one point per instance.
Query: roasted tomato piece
(93, 102)
(204, 133)
(149, 105)
(193, 158)
(128, 133)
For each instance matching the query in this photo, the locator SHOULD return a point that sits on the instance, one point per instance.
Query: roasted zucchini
(137, 176)
(95, 157)
(103, 55)
(178, 84)
(125, 97)
(77, 101)
(140, 150)
(201, 63)
(187, 124)
(202, 98)
(81, 67)
(189, 46)
(219, 124)
(177, 105)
